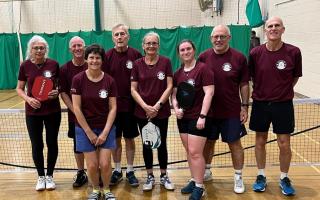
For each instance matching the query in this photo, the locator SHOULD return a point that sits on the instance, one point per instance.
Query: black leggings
(162, 149)
(35, 129)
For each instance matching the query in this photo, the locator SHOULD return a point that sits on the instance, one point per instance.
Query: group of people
(113, 95)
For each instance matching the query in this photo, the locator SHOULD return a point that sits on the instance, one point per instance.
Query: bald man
(275, 68)
(67, 72)
(229, 109)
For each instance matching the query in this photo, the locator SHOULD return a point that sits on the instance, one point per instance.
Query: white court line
(305, 160)
(15, 105)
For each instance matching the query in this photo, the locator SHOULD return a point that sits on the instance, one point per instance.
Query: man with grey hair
(229, 109)
(275, 68)
(67, 72)
(118, 63)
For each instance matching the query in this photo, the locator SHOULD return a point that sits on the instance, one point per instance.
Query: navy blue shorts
(126, 124)
(280, 114)
(230, 129)
(189, 126)
(84, 144)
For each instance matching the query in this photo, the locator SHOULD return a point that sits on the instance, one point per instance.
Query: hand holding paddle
(41, 88)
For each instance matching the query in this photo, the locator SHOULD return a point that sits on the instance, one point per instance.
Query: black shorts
(71, 134)
(126, 125)
(230, 129)
(280, 114)
(189, 126)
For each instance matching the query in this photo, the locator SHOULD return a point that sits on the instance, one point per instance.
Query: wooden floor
(20, 185)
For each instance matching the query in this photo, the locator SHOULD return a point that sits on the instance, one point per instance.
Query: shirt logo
(191, 82)
(47, 74)
(281, 64)
(103, 94)
(161, 75)
(129, 64)
(226, 67)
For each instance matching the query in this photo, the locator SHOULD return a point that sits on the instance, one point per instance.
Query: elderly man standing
(118, 63)
(275, 68)
(229, 109)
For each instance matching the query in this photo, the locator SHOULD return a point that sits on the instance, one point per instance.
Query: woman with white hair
(47, 113)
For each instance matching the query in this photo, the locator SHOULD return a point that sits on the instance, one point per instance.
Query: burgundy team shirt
(28, 72)
(199, 77)
(230, 70)
(273, 72)
(119, 66)
(94, 98)
(67, 72)
(152, 82)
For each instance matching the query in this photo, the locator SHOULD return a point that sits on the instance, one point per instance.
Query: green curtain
(58, 45)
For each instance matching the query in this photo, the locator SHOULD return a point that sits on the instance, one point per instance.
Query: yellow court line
(305, 160)
(15, 105)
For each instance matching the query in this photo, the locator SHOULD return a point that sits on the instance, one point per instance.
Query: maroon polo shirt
(152, 82)
(273, 72)
(28, 72)
(230, 70)
(67, 72)
(199, 77)
(94, 98)
(119, 66)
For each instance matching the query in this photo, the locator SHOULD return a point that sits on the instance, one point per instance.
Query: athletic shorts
(126, 124)
(280, 114)
(230, 129)
(84, 144)
(71, 134)
(189, 126)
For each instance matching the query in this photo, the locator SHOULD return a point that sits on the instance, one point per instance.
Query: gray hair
(220, 26)
(122, 26)
(151, 33)
(76, 38)
(34, 39)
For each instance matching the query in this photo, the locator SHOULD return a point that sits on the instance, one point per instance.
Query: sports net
(15, 147)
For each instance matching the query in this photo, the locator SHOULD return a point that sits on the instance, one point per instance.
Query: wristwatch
(245, 105)
(160, 104)
(202, 116)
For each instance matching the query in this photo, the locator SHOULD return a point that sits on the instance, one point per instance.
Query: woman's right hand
(34, 103)
(179, 113)
(92, 137)
(151, 111)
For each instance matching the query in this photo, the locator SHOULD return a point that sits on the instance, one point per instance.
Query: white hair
(151, 33)
(76, 38)
(34, 39)
(220, 26)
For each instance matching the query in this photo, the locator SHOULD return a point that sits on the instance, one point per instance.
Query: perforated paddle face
(185, 95)
(151, 136)
(41, 88)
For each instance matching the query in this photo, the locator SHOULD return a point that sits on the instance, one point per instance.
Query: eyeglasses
(221, 37)
(151, 43)
(119, 34)
(37, 48)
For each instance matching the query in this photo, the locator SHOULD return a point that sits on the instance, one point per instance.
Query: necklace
(188, 69)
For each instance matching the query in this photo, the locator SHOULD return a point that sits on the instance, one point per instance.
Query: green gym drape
(59, 42)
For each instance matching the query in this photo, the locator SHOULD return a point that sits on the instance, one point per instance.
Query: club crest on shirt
(161, 75)
(103, 94)
(47, 74)
(129, 64)
(191, 82)
(226, 67)
(281, 64)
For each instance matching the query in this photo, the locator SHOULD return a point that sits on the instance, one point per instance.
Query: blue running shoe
(260, 184)
(197, 193)
(286, 187)
(188, 188)
(133, 181)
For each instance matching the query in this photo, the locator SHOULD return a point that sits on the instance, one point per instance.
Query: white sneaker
(41, 183)
(166, 182)
(149, 183)
(50, 185)
(239, 187)
(207, 175)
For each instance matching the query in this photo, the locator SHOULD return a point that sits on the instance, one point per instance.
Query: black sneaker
(80, 179)
(132, 179)
(116, 177)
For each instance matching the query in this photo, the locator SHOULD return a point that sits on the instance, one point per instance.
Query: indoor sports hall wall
(58, 45)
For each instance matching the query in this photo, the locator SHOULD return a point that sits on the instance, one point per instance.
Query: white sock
(261, 172)
(283, 175)
(130, 168)
(117, 167)
(208, 166)
(238, 171)
(200, 185)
